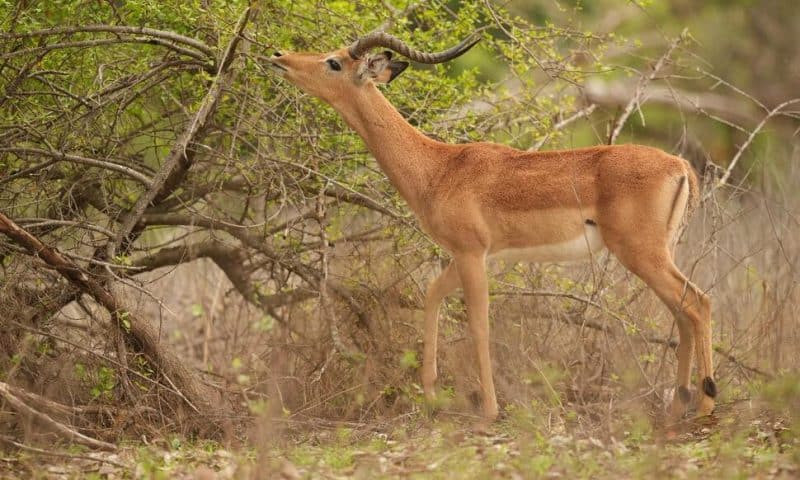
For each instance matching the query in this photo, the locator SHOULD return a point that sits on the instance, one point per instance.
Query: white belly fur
(578, 248)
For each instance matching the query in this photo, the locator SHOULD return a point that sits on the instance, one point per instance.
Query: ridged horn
(381, 39)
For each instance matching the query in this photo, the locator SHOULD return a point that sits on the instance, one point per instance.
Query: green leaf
(409, 360)
(197, 310)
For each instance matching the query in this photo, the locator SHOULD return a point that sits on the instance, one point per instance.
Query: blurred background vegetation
(262, 275)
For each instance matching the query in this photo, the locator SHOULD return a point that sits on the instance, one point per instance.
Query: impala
(482, 200)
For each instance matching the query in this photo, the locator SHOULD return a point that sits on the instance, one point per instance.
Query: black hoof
(709, 387)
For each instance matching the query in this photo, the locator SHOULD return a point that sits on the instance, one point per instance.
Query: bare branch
(49, 222)
(119, 29)
(725, 176)
(97, 43)
(60, 428)
(230, 260)
(61, 156)
(705, 103)
(640, 87)
(51, 453)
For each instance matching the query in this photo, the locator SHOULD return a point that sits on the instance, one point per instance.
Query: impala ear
(381, 68)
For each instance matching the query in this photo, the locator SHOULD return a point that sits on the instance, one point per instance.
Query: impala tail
(687, 198)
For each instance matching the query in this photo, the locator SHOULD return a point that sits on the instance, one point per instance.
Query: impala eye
(336, 66)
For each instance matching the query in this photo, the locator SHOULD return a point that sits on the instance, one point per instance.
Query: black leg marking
(591, 222)
(684, 394)
(709, 387)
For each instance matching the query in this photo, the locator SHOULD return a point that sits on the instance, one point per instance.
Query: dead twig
(59, 428)
(641, 85)
(40, 451)
(32, 398)
(735, 160)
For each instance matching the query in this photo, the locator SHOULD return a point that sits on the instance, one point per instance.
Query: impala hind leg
(692, 310)
(695, 305)
(442, 286)
(472, 272)
(685, 351)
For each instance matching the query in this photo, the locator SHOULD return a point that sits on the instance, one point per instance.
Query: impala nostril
(277, 54)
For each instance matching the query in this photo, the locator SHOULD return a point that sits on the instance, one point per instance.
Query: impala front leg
(443, 285)
(472, 272)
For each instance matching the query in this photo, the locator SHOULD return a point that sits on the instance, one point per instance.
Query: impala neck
(404, 154)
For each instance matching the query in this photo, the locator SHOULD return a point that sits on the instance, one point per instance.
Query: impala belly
(577, 248)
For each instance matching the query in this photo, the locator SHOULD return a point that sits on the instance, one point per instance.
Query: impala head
(337, 74)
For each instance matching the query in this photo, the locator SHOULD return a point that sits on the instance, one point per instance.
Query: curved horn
(381, 39)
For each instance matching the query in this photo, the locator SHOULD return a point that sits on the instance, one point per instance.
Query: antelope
(485, 200)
